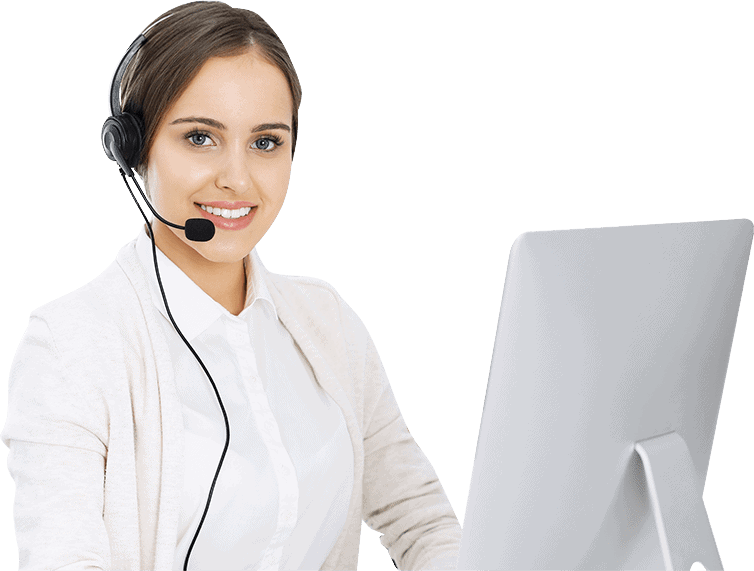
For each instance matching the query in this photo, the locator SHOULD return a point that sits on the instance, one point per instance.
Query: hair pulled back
(178, 43)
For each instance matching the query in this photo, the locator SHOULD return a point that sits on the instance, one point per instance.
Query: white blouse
(282, 495)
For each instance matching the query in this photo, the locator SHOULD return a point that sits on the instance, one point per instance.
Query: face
(226, 143)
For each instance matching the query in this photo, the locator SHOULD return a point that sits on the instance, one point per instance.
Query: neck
(225, 282)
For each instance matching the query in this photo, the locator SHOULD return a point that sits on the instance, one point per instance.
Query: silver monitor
(607, 373)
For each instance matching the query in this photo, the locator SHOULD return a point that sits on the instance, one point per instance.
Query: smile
(225, 213)
(226, 219)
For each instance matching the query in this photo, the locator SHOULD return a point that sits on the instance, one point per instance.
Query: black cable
(225, 416)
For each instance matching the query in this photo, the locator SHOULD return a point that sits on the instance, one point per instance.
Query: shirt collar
(194, 310)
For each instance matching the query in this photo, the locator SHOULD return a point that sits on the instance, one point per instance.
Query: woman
(202, 412)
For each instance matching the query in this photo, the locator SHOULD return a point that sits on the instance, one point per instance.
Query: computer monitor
(607, 373)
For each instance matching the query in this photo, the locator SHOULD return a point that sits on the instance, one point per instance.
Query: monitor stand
(676, 499)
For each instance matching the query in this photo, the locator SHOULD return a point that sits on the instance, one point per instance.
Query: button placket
(270, 433)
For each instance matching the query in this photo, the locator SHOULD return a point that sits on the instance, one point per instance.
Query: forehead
(242, 88)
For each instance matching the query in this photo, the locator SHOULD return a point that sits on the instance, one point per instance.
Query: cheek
(173, 174)
(278, 179)
(269, 180)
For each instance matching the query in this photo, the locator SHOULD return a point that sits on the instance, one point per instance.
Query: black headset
(122, 139)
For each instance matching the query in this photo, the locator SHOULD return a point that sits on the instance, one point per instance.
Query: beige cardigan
(96, 436)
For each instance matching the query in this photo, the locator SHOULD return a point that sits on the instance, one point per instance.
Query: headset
(122, 139)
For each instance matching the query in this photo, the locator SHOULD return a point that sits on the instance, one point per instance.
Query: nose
(234, 171)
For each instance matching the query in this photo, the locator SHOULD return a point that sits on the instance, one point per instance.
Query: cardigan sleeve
(56, 459)
(403, 497)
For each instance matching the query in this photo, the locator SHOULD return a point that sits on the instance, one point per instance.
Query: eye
(199, 138)
(267, 143)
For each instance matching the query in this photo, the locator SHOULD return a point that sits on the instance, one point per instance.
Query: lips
(228, 223)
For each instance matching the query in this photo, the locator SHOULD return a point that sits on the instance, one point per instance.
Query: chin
(222, 255)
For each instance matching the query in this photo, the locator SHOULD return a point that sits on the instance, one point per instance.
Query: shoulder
(95, 311)
(69, 364)
(318, 304)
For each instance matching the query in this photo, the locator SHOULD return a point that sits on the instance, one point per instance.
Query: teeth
(225, 213)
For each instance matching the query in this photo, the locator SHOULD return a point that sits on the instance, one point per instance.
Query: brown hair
(178, 44)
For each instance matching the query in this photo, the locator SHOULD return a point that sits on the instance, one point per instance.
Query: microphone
(196, 229)
(199, 229)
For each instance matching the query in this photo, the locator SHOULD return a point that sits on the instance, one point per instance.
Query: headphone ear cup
(134, 138)
(126, 131)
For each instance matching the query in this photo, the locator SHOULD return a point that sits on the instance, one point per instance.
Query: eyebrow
(218, 125)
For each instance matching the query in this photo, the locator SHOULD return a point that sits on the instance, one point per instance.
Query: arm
(56, 459)
(403, 497)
